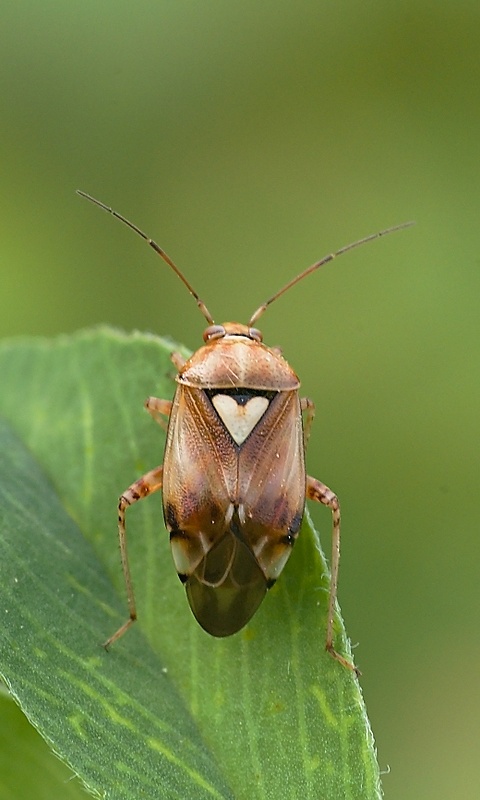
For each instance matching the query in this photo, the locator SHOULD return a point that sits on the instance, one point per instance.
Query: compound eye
(254, 333)
(213, 332)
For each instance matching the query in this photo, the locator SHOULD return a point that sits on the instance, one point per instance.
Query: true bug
(233, 477)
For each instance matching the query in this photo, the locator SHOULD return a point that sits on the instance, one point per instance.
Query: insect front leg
(177, 360)
(159, 409)
(150, 482)
(309, 406)
(322, 494)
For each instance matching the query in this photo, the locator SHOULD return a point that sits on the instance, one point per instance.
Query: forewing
(200, 469)
(273, 483)
(227, 587)
(233, 511)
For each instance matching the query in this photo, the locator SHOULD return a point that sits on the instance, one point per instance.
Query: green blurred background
(250, 139)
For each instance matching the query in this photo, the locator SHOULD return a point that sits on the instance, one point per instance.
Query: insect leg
(150, 482)
(159, 409)
(322, 494)
(309, 406)
(177, 360)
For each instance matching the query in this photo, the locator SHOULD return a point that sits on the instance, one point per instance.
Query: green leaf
(28, 769)
(169, 712)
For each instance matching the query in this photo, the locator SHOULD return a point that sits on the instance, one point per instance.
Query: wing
(233, 511)
(228, 585)
(200, 468)
(223, 580)
(272, 483)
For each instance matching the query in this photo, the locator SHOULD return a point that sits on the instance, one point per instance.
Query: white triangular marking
(239, 420)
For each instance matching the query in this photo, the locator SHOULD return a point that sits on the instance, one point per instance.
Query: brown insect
(233, 476)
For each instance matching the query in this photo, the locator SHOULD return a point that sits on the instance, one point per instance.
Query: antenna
(203, 308)
(258, 313)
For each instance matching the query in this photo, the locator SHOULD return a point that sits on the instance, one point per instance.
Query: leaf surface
(169, 712)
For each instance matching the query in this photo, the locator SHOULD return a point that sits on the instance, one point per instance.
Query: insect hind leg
(146, 485)
(322, 494)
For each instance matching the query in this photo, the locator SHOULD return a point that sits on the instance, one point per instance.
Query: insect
(233, 477)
